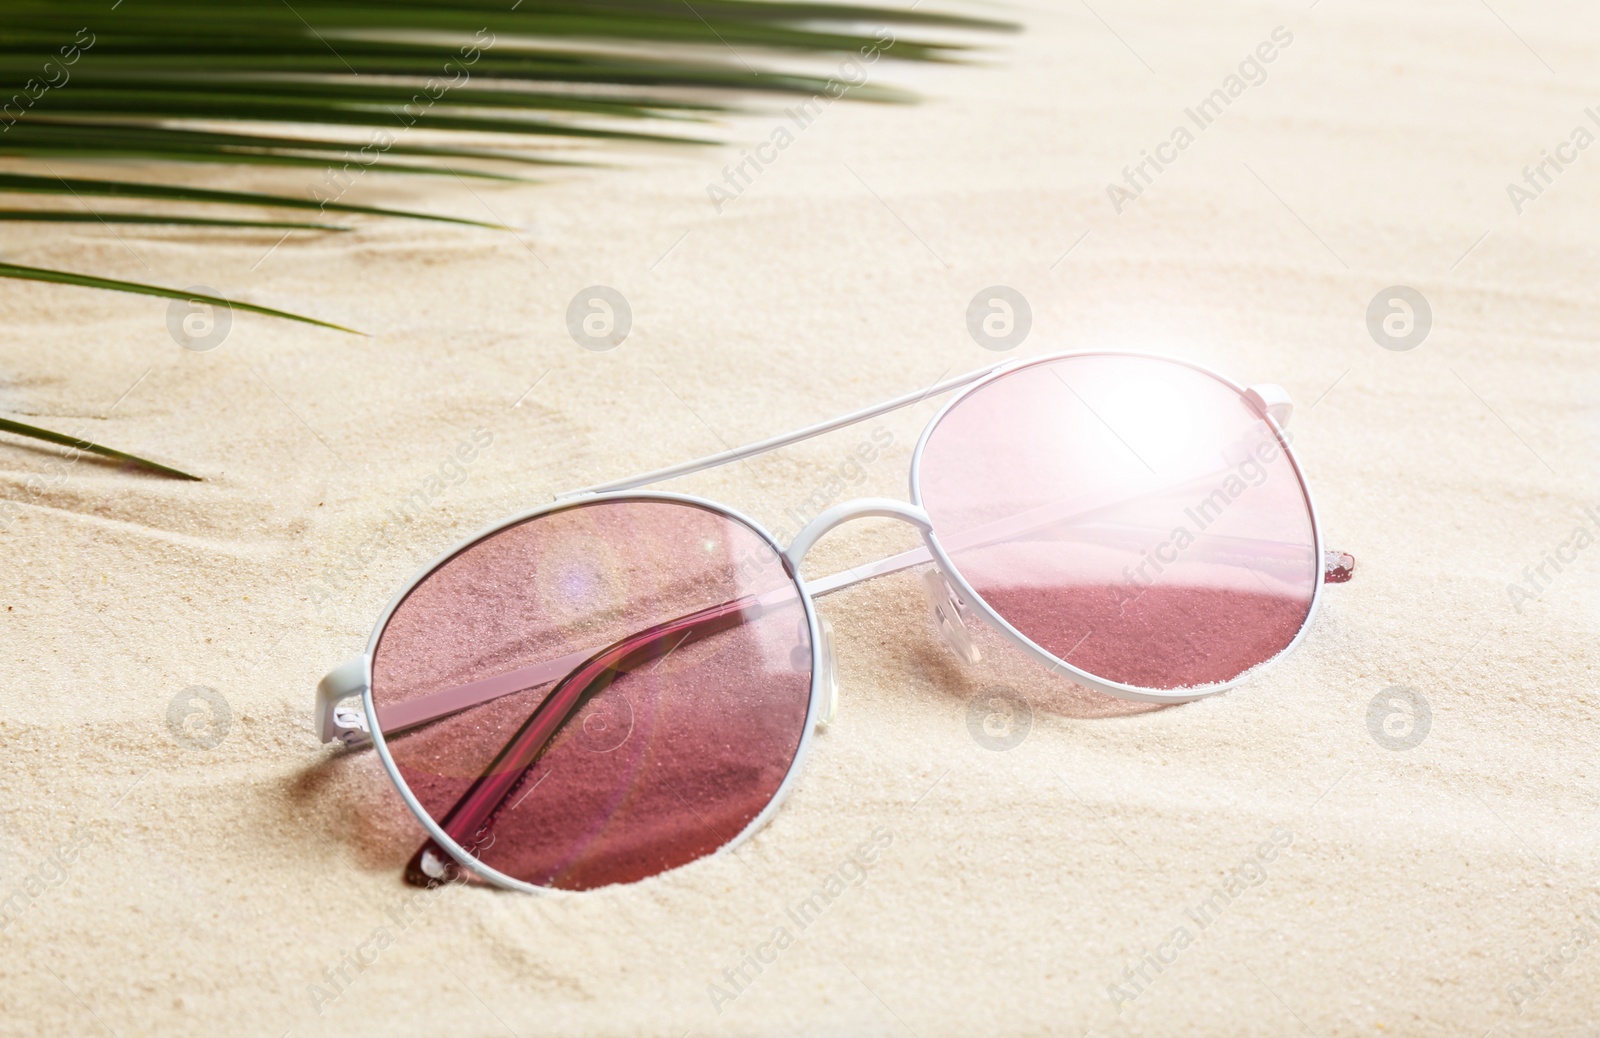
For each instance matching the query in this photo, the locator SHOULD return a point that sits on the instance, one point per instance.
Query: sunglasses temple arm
(1337, 568)
(1265, 399)
(349, 725)
(399, 717)
(475, 810)
(468, 821)
(772, 444)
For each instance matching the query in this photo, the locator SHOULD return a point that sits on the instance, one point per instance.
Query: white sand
(210, 888)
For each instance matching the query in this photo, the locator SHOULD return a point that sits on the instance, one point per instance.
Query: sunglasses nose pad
(829, 674)
(949, 615)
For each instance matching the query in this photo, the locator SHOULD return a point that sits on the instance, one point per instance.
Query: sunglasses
(623, 682)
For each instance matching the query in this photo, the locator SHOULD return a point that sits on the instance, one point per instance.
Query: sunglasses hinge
(335, 718)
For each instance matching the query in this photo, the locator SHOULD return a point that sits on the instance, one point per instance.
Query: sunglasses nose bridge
(950, 615)
(838, 515)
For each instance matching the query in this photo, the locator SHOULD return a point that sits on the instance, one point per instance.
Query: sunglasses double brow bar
(580, 676)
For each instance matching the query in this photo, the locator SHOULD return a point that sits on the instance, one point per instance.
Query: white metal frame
(817, 705)
(1269, 397)
(355, 677)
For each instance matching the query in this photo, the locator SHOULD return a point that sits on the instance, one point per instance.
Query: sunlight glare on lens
(1154, 418)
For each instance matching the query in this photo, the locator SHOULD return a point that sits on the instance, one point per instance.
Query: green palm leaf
(339, 85)
(44, 137)
(34, 432)
(61, 277)
(26, 184)
(61, 216)
(244, 82)
(543, 69)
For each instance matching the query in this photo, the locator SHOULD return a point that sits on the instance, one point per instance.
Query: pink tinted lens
(660, 753)
(1133, 517)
